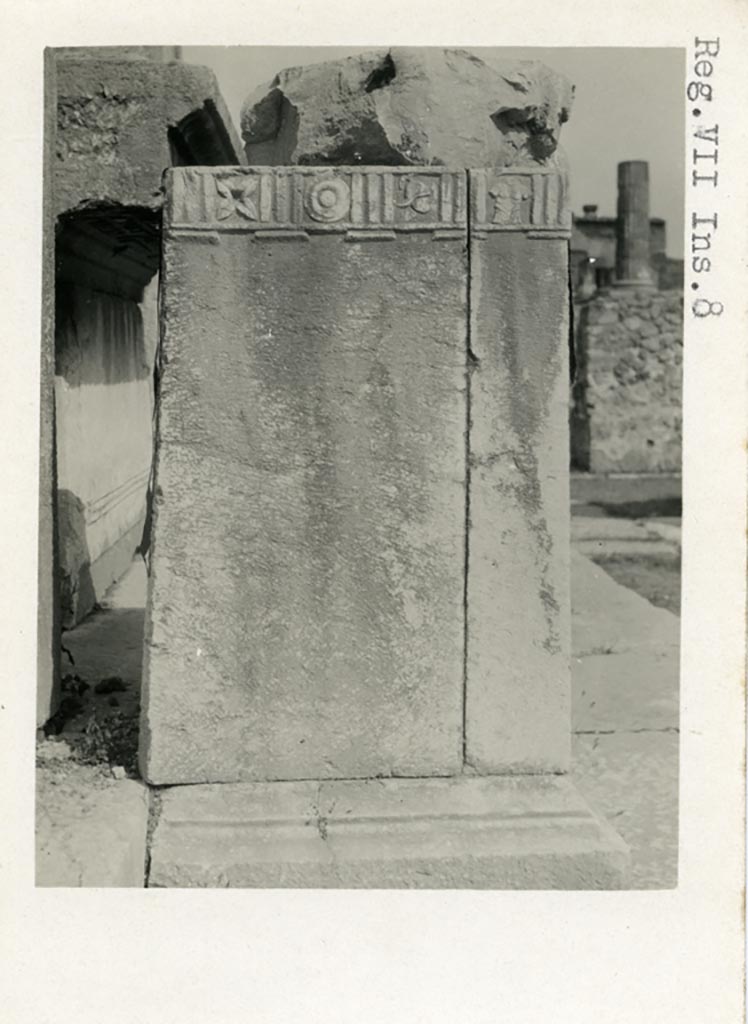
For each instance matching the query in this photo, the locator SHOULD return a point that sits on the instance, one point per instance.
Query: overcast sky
(629, 105)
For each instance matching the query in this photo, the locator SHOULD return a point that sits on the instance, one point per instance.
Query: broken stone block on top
(409, 106)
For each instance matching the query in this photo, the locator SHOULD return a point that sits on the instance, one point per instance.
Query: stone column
(633, 250)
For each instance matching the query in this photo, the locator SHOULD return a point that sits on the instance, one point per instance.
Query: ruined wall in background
(627, 396)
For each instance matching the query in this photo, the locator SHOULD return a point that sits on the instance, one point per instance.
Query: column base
(496, 832)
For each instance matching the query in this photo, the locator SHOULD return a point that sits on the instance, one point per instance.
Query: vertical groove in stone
(388, 201)
(538, 199)
(266, 196)
(468, 372)
(357, 197)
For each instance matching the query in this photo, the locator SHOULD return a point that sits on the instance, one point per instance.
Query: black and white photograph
(382, 443)
(368, 469)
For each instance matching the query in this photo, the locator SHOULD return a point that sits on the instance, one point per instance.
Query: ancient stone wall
(116, 118)
(122, 118)
(627, 401)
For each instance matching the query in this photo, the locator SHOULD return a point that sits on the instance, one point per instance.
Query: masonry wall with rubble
(627, 394)
(123, 115)
(115, 119)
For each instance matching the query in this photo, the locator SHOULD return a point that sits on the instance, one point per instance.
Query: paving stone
(624, 488)
(628, 691)
(607, 617)
(632, 779)
(669, 531)
(586, 528)
(90, 829)
(650, 548)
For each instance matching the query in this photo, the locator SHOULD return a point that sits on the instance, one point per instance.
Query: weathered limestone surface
(628, 402)
(460, 833)
(306, 600)
(118, 118)
(120, 123)
(406, 106)
(154, 53)
(518, 683)
(90, 830)
(112, 125)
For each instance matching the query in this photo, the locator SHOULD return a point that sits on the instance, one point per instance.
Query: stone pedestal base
(523, 832)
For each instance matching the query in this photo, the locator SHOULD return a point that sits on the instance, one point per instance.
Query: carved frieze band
(335, 199)
(364, 201)
(520, 199)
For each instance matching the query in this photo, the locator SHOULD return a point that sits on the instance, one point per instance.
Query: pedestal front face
(306, 609)
(360, 558)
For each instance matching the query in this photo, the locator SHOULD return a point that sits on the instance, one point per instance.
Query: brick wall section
(627, 401)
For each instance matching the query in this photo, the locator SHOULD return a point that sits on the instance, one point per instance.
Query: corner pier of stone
(357, 666)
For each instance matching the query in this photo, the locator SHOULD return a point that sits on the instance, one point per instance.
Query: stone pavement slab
(90, 828)
(634, 538)
(625, 673)
(110, 641)
(607, 617)
(669, 530)
(585, 528)
(625, 488)
(625, 692)
(616, 547)
(633, 779)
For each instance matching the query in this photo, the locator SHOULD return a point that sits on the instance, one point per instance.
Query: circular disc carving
(328, 200)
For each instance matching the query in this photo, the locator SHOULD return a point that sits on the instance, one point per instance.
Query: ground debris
(109, 737)
(112, 684)
(88, 730)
